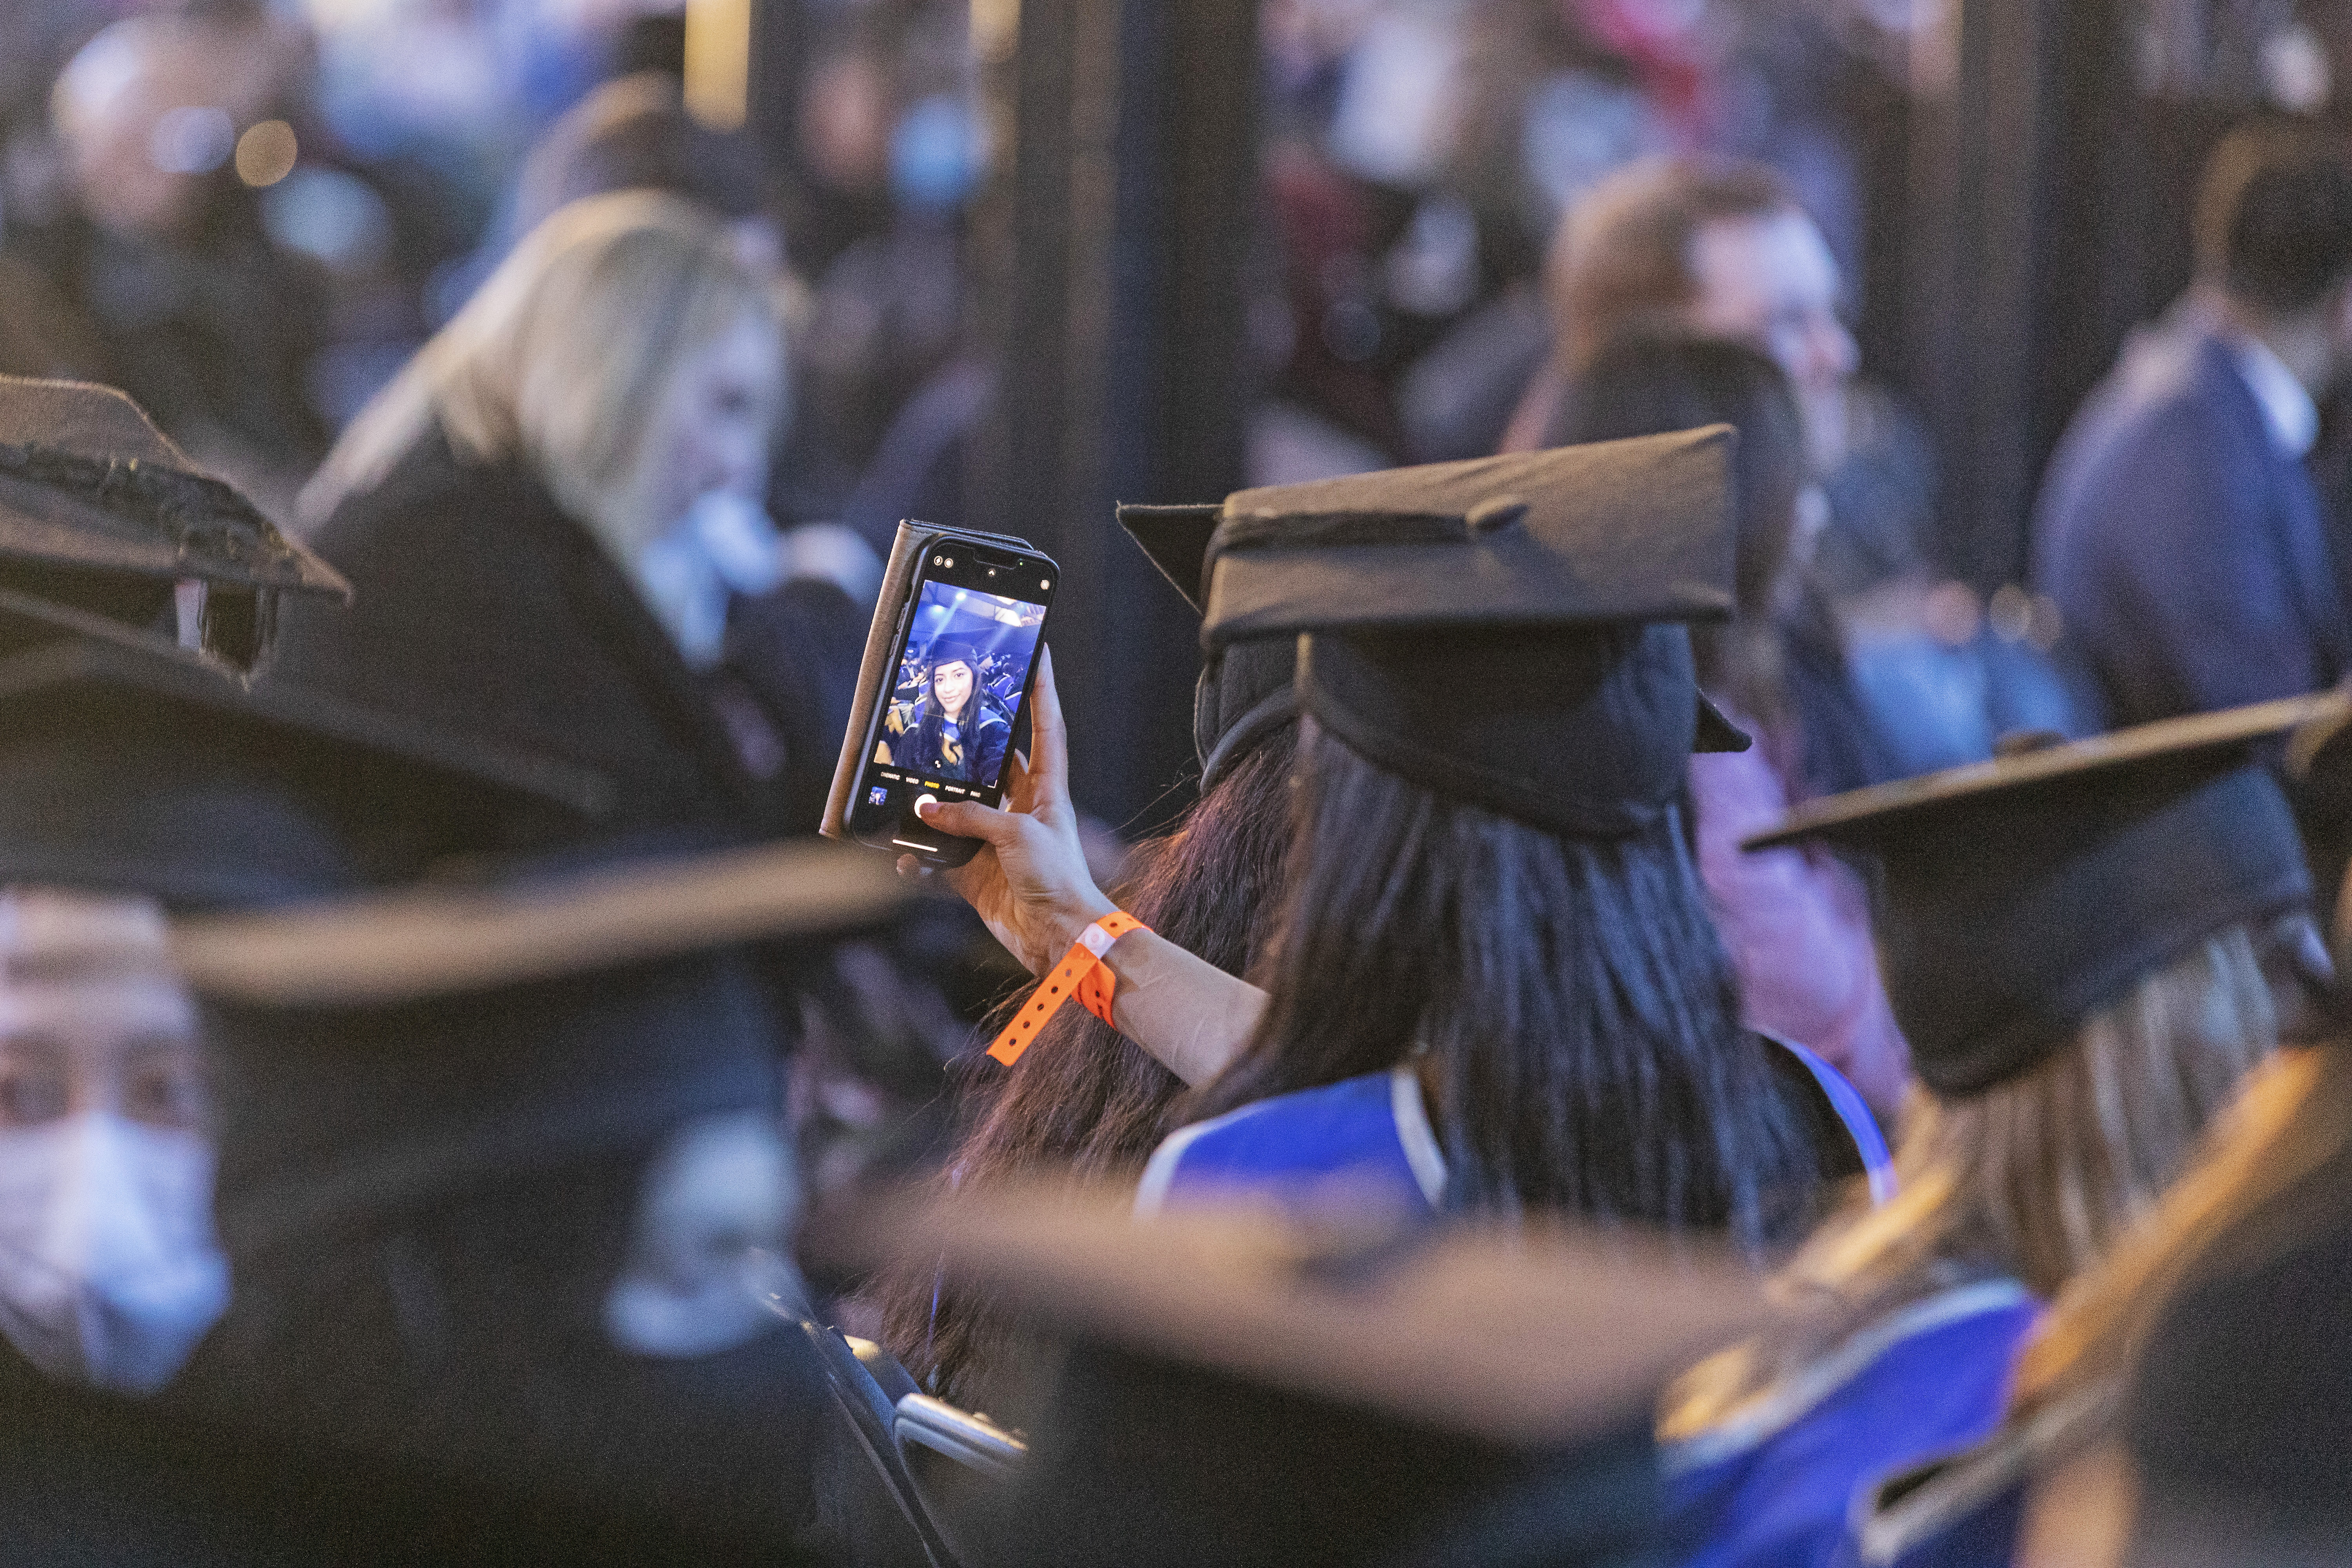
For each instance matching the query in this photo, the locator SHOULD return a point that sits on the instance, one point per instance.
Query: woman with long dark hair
(1797, 921)
(1494, 983)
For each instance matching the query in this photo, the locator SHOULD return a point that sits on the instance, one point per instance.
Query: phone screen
(945, 728)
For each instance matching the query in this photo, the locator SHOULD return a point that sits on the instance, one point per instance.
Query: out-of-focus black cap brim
(2198, 743)
(40, 525)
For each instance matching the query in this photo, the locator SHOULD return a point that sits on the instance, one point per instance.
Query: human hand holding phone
(1029, 882)
(1032, 888)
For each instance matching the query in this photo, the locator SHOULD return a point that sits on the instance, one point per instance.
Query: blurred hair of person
(2088, 948)
(2177, 528)
(1721, 248)
(196, 312)
(590, 437)
(1795, 921)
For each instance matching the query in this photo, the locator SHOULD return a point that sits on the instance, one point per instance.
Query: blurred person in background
(164, 257)
(591, 434)
(2088, 950)
(1796, 922)
(1721, 248)
(2184, 1402)
(2177, 528)
(634, 133)
(553, 520)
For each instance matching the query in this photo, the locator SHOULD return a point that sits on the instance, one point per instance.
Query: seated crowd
(1572, 1087)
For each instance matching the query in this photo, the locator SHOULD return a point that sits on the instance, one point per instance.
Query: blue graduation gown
(1362, 1141)
(1774, 1482)
(1368, 1139)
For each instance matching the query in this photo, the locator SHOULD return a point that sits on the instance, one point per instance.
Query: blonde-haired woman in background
(553, 519)
(2089, 949)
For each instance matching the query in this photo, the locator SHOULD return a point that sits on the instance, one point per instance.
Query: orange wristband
(1081, 973)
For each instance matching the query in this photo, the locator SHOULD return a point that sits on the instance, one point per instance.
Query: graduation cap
(1244, 692)
(138, 767)
(952, 649)
(2018, 896)
(1504, 630)
(104, 519)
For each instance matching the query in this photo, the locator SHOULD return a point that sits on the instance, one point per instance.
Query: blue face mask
(936, 155)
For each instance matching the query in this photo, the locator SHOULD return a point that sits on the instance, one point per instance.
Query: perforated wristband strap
(1081, 973)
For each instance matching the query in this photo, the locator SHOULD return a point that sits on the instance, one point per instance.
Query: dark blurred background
(1051, 254)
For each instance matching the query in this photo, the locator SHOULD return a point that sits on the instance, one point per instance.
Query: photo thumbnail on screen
(960, 679)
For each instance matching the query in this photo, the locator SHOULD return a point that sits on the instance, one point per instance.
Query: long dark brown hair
(1084, 1099)
(1578, 1014)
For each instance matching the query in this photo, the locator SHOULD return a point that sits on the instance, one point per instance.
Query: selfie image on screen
(966, 659)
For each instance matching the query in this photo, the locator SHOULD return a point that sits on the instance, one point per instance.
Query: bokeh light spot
(266, 153)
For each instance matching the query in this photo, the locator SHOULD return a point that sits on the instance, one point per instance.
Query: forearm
(1192, 1017)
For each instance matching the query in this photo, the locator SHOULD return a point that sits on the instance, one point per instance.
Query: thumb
(969, 819)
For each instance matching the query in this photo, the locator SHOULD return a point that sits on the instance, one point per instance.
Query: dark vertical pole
(1119, 322)
(779, 43)
(2029, 201)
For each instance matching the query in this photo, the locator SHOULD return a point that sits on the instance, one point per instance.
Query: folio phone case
(875, 674)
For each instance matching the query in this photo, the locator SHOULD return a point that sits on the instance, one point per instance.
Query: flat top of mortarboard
(435, 940)
(86, 480)
(97, 683)
(1614, 532)
(1477, 1334)
(1176, 538)
(1885, 811)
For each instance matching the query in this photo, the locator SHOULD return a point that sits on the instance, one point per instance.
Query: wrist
(1074, 915)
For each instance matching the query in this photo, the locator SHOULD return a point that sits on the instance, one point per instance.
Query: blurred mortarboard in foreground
(2018, 896)
(1489, 1333)
(1240, 1392)
(1246, 692)
(136, 767)
(435, 940)
(100, 516)
(1504, 630)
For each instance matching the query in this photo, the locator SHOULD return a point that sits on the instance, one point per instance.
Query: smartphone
(967, 638)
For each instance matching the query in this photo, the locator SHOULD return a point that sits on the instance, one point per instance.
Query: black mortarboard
(1245, 691)
(2016, 897)
(952, 648)
(101, 516)
(1502, 630)
(132, 767)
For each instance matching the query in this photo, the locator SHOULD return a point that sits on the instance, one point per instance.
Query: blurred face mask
(109, 1271)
